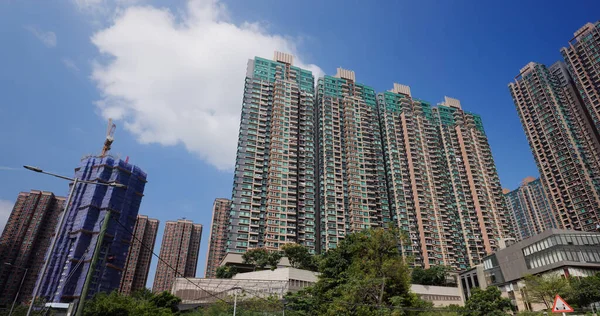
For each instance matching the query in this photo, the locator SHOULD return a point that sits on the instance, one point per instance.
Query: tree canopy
(365, 275)
(435, 275)
(260, 258)
(585, 291)
(488, 302)
(226, 272)
(299, 257)
(166, 300)
(543, 289)
(116, 304)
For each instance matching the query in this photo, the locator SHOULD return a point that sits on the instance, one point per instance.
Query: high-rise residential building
(217, 241)
(178, 253)
(139, 256)
(581, 116)
(352, 189)
(583, 60)
(561, 143)
(69, 263)
(25, 241)
(315, 165)
(273, 200)
(529, 208)
(442, 183)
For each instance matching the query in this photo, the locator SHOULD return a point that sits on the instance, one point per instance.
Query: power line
(77, 265)
(163, 261)
(79, 262)
(82, 257)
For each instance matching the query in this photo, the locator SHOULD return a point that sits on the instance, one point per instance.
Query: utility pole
(92, 268)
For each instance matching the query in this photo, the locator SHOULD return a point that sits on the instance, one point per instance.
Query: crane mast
(110, 133)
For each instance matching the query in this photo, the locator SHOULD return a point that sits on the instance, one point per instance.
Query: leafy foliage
(143, 294)
(260, 258)
(226, 272)
(436, 275)
(585, 291)
(166, 300)
(365, 275)
(543, 289)
(299, 257)
(488, 302)
(116, 304)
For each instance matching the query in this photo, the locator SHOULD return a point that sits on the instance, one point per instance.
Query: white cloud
(70, 64)
(178, 79)
(48, 38)
(100, 13)
(5, 210)
(102, 6)
(5, 168)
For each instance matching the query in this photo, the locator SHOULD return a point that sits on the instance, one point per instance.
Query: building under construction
(70, 261)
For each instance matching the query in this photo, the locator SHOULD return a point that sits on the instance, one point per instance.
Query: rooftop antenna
(110, 133)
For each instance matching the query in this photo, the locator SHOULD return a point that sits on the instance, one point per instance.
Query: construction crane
(110, 133)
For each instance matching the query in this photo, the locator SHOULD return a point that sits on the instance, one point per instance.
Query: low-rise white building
(278, 282)
(440, 296)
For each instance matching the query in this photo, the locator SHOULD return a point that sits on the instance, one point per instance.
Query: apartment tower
(139, 256)
(316, 165)
(273, 199)
(25, 241)
(561, 140)
(442, 183)
(217, 241)
(529, 208)
(179, 253)
(582, 57)
(352, 194)
(69, 263)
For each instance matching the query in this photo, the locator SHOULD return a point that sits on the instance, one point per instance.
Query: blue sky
(171, 74)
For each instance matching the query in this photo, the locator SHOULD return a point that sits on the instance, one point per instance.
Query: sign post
(560, 306)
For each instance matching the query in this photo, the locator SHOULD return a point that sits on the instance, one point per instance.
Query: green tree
(585, 291)
(365, 275)
(299, 256)
(488, 302)
(303, 302)
(260, 258)
(543, 289)
(435, 275)
(166, 300)
(116, 304)
(143, 294)
(226, 272)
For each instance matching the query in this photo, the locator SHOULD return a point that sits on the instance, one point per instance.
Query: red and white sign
(560, 306)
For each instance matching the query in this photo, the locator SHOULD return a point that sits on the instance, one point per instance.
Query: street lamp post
(60, 226)
(12, 307)
(235, 294)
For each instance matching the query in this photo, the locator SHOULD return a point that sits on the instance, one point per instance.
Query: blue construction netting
(66, 274)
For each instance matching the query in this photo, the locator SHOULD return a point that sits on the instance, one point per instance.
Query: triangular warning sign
(560, 306)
